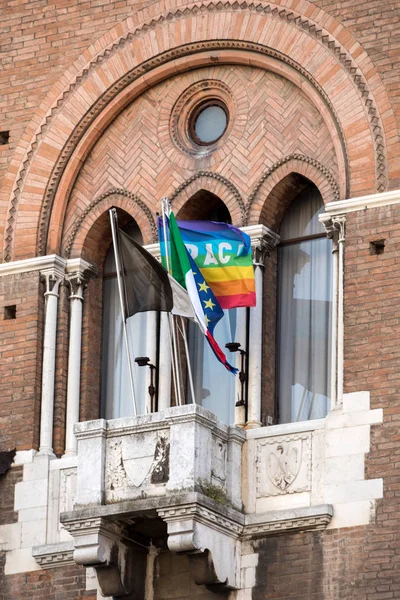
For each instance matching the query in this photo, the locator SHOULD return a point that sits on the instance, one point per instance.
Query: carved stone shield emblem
(283, 463)
(138, 457)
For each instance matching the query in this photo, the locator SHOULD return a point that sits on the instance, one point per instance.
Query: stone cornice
(282, 521)
(342, 207)
(79, 266)
(51, 556)
(39, 263)
(48, 263)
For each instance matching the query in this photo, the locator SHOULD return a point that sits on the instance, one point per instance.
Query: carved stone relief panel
(283, 465)
(136, 463)
(218, 464)
(67, 489)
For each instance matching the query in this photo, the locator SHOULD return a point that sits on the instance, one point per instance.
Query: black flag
(146, 283)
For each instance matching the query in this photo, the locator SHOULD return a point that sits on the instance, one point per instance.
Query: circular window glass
(208, 123)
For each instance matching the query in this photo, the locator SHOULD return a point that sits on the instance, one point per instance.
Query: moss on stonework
(214, 492)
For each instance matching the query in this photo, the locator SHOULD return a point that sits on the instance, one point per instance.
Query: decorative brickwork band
(321, 35)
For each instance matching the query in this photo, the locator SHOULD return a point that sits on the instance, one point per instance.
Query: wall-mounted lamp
(144, 361)
(235, 347)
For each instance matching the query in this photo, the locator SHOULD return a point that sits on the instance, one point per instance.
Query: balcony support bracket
(104, 546)
(210, 540)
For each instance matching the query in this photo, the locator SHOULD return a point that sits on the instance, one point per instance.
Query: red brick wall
(20, 361)
(65, 583)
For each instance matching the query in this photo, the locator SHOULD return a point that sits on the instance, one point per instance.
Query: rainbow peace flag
(223, 254)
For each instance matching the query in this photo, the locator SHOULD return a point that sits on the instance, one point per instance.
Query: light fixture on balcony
(143, 361)
(235, 347)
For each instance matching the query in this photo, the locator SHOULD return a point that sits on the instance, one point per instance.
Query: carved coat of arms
(137, 460)
(283, 463)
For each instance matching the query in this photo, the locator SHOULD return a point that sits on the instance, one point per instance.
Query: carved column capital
(335, 227)
(78, 273)
(77, 283)
(53, 278)
(263, 241)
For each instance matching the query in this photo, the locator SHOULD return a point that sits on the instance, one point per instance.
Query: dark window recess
(10, 312)
(4, 137)
(377, 247)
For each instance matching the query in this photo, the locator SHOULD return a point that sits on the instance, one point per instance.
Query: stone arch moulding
(294, 163)
(66, 170)
(216, 184)
(74, 240)
(66, 115)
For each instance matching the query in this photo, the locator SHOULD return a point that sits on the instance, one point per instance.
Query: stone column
(53, 277)
(76, 283)
(335, 230)
(262, 247)
(78, 272)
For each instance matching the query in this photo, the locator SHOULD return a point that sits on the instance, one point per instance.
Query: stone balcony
(166, 480)
(182, 481)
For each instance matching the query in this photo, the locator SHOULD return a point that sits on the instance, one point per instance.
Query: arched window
(116, 396)
(214, 386)
(304, 311)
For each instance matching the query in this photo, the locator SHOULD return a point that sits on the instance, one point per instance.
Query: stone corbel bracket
(210, 540)
(104, 545)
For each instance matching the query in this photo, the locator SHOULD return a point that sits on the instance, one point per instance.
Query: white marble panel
(356, 401)
(352, 491)
(31, 494)
(353, 440)
(353, 514)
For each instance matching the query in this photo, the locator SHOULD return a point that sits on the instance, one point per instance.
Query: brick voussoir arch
(294, 163)
(128, 201)
(337, 40)
(216, 184)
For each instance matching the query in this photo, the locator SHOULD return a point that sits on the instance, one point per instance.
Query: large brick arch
(140, 50)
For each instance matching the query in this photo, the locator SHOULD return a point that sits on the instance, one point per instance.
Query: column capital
(77, 274)
(52, 277)
(263, 241)
(335, 227)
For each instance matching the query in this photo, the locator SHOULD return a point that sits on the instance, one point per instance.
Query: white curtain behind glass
(214, 386)
(116, 397)
(304, 323)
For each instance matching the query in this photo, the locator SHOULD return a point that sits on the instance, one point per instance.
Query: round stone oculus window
(208, 122)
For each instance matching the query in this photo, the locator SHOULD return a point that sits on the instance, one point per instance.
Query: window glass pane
(210, 124)
(302, 217)
(304, 330)
(304, 312)
(214, 386)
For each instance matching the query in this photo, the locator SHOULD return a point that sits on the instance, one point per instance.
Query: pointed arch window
(304, 311)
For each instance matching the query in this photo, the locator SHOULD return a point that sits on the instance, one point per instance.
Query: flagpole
(113, 217)
(176, 371)
(183, 329)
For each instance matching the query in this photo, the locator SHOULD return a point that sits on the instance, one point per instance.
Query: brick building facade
(96, 111)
